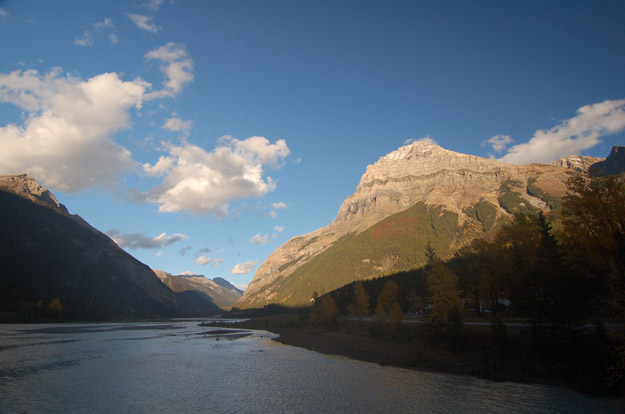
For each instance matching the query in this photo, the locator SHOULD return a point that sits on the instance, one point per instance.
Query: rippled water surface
(183, 367)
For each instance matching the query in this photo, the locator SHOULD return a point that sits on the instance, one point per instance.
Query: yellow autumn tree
(445, 296)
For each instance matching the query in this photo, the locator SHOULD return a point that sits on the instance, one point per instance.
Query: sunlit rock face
(418, 173)
(26, 186)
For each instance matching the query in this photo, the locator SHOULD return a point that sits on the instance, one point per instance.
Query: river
(180, 366)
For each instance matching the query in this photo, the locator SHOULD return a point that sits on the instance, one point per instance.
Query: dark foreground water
(183, 367)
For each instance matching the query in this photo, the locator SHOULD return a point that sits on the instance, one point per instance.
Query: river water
(182, 367)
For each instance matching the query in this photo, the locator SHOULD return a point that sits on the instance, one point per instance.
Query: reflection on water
(183, 367)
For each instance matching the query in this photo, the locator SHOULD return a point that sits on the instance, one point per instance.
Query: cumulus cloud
(278, 205)
(144, 22)
(426, 138)
(203, 260)
(176, 64)
(244, 268)
(87, 37)
(139, 240)
(66, 139)
(258, 239)
(498, 142)
(279, 229)
(202, 182)
(178, 125)
(576, 134)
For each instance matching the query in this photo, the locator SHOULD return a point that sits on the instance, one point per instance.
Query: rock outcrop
(466, 186)
(25, 186)
(577, 163)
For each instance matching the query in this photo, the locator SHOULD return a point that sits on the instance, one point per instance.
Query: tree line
(559, 270)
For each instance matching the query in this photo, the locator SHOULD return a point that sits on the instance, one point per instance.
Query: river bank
(480, 351)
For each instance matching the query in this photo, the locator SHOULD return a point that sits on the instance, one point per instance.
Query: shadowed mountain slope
(55, 265)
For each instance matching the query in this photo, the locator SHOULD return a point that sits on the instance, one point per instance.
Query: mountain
(417, 194)
(614, 164)
(55, 265)
(218, 291)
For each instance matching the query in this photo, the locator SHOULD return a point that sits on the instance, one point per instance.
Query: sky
(202, 135)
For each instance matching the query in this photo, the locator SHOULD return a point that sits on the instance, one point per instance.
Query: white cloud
(3, 13)
(202, 182)
(244, 268)
(153, 4)
(273, 214)
(66, 140)
(279, 205)
(258, 239)
(241, 286)
(87, 37)
(140, 241)
(107, 23)
(217, 262)
(159, 254)
(428, 139)
(177, 124)
(85, 40)
(176, 64)
(499, 142)
(144, 22)
(113, 38)
(570, 137)
(203, 260)
(279, 229)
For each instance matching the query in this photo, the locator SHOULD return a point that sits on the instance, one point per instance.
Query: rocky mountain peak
(577, 163)
(27, 187)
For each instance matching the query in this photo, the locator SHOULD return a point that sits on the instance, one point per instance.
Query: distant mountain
(54, 265)
(417, 194)
(226, 285)
(221, 293)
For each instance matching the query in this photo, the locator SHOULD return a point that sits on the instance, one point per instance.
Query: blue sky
(203, 135)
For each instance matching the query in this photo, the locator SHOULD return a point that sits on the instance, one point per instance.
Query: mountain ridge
(221, 292)
(417, 173)
(55, 265)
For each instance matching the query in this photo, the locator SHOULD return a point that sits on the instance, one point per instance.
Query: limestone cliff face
(420, 172)
(577, 163)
